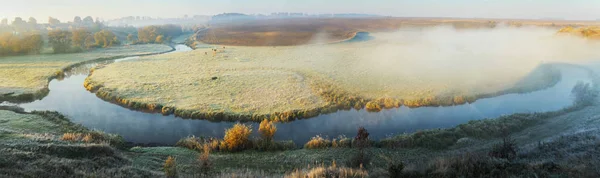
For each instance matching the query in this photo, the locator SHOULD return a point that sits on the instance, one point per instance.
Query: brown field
(289, 32)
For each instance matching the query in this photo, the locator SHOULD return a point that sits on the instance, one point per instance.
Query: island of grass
(286, 83)
(25, 78)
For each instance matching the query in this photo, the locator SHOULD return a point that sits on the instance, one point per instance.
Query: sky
(65, 10)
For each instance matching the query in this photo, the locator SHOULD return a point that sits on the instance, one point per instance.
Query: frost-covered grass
(30, 73)
(431, 67)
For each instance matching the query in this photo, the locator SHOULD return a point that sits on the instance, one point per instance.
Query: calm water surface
(68, 96)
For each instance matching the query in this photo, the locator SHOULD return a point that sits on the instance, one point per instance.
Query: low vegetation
(317, 142)
(31, 146)
(94, 136)
(238, 139)
(331, 171)
(25, 78)
(590, 32)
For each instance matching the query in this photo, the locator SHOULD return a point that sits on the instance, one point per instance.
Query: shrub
(389, 103)
(267, 130)
(341, 142)
(237, 138)
(317, 142)
(170, 167)
(373, 106)
(190, 142)
(362, 138)
(361, 141)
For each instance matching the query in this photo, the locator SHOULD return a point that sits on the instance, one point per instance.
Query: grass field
(29, 75)
(299, 31)
(425, 67)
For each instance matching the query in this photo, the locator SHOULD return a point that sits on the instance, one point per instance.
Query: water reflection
(70, 98)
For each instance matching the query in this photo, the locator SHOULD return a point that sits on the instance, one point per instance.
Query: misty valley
(299, 95)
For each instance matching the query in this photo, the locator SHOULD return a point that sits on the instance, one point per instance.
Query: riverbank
(34, 142)
(26, 78)
(245, 84)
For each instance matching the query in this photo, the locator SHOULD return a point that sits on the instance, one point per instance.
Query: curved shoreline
(41, 93)
(337, 100)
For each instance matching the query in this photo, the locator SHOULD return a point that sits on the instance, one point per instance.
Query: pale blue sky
(110, 9)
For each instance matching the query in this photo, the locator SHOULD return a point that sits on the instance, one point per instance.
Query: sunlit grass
(286, 83)
(31, 73)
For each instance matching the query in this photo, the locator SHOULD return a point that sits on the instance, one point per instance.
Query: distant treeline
(28, 37)
(11, 44)
(63, 41)
(157, 33)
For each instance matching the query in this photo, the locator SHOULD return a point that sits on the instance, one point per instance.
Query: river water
(69, 97)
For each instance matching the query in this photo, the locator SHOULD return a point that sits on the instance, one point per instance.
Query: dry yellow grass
(590, 32)
(331, 171)
(425, 67)
(317, 142)
(30, 74)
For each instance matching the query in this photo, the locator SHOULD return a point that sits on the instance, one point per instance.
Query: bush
(191, 142)
(237, 138)
(341, 142)
(170, 167)
(362, 138)
(361, 141)
(317, 142)
(373, 106)
(267, 130)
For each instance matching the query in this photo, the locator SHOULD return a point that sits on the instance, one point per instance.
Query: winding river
(69, 97)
